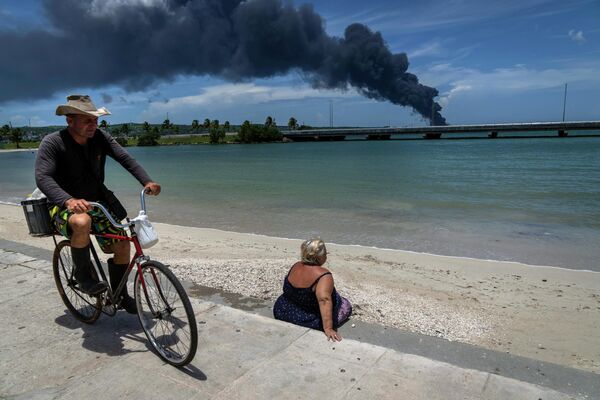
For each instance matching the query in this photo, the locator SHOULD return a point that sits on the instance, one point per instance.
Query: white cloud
(107, 7)
(431, 15)
(576, 36)
(228, 95)
(17, 118)
(446, 97)
(22, 120)
(516, 79)
(429, 49)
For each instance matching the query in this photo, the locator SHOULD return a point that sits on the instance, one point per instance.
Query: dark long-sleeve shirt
(65, 169)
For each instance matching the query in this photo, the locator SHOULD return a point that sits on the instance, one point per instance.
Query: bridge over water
(560, 129)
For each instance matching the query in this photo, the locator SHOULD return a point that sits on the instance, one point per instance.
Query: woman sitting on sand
(309, 298)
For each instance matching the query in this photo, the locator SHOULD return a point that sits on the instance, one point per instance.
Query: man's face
(82, 126)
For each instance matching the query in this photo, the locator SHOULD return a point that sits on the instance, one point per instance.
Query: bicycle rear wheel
(166, 314)
(83, 307)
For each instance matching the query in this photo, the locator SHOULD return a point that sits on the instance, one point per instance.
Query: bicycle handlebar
(110, 217)
(143, 200)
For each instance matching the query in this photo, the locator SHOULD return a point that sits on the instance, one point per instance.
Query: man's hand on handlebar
(152, 188)
(77, 206)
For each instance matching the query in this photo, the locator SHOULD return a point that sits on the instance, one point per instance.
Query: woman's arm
(323, 292)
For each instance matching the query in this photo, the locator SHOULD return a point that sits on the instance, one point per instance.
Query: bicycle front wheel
(84, 307)
(166, 314)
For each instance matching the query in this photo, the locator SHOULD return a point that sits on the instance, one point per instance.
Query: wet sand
(546, 313)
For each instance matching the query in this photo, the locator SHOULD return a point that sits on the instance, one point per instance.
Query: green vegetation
(292, 123)
(150, 138)
(270, 122)
(123, 141)
(120, 133)
(217, 133)
(193, 139)
(163, 134)
(250, 133)
(14, 135)
(22, 145)
(166, 125)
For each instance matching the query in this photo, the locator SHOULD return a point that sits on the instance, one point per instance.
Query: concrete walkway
(47, 354)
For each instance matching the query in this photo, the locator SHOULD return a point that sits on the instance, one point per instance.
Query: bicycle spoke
(168, 322)
(83, 307)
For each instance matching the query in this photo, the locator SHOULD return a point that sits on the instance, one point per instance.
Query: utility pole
(565, 103)
(331, 113)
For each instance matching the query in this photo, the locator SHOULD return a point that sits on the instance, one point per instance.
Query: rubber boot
(116, 272)
(83, 274)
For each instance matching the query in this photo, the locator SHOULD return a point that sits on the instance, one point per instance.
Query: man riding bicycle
(69, 169)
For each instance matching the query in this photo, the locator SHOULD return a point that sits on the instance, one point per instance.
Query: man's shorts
(100, 224)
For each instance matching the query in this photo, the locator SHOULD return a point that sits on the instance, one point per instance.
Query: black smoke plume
(93, 43)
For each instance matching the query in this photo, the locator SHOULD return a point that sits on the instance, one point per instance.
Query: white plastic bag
(36, 195)
(145, 231)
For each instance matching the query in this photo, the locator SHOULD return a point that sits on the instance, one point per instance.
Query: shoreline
(366, 247)
(375, 248)
(542, 312)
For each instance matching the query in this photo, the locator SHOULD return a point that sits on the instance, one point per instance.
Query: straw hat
(81, 104)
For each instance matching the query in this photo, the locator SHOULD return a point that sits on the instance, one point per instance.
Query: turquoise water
(529, 200)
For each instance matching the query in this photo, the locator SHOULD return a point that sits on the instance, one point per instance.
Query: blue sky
(491, 62)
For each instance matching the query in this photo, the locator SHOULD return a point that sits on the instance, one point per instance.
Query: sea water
(530, 200)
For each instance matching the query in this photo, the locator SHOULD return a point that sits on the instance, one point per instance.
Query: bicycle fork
(159, 314)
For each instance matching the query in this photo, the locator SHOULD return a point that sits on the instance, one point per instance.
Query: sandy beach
(16, 150)
(546, 313)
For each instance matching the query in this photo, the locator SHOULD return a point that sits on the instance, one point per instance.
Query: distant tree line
(146, 134)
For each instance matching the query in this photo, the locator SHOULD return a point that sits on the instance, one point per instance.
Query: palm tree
(292, 123)
(16, 135)
(226, 126)
(195, 125)
(214, 124)
(103, 124)
(269, 121)
(146, 126)
(206, 123)
(166, 124)
(4, 130)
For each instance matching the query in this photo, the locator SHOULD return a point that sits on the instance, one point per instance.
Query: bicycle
(164, 309)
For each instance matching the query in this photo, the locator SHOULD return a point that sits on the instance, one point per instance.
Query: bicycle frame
(163, 307)
(138, 257)
(135, 260)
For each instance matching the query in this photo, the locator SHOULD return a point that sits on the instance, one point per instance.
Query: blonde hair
(311, 250)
